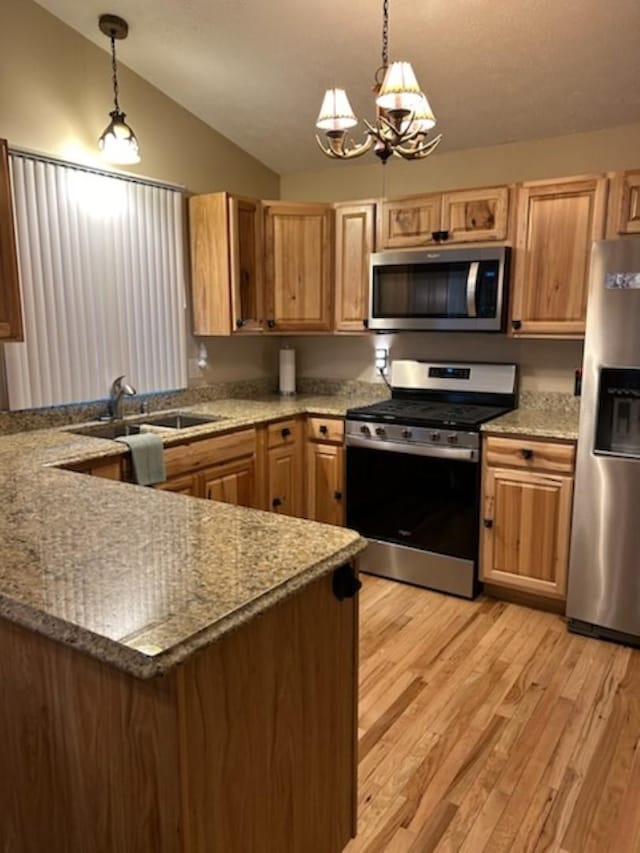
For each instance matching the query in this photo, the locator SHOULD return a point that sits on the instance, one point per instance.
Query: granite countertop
(553, 416)
(141, 578)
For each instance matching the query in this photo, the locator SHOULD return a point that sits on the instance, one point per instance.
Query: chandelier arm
(418, 152)
(338, 151)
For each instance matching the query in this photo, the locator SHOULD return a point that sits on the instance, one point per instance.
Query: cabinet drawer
(208, 451)
(530, 454)
(281, 433)
(325, 429)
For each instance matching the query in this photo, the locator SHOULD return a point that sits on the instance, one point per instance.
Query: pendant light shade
(399, 90)
(118, 143)
(335, 112)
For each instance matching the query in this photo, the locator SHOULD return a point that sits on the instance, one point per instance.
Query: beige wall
(598, 151)
(55, 96)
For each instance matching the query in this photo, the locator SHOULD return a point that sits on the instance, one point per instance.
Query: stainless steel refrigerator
(604, 575)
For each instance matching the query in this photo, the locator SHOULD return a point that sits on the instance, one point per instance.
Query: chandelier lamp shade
(118, 143)
(403, 114)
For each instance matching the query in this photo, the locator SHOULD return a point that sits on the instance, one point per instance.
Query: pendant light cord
(385, 33)
(114, 73)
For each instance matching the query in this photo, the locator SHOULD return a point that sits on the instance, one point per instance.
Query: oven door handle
(472, 286)
(460, 454)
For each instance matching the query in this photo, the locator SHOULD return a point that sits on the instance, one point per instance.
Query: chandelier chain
(114, 73)
(385, 33)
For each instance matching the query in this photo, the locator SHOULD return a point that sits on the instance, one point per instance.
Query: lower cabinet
(526, 515)
(231, 482)
(325, 470)
(183, 484)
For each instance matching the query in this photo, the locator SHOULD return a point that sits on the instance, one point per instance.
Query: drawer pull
(526, 453)
(271, 324)
(488, 522)
(240, 323)
(516, 325)
(285, 431)
(276, 502)
(324, 430)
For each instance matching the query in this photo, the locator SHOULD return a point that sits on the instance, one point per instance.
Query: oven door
(460, 289)
(421, 515)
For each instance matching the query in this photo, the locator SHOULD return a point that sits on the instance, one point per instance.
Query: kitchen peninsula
(177, 674)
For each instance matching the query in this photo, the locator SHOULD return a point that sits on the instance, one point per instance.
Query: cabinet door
(355, 232)
(284, 476)
(10, 303)
(183, 484)
(557, 222)
(246, 257)
(298, 256)
(232, 482)
(624, 210)
(526, 530)
(325, 483)
(475, 215)
(410, 221)
(209, 239)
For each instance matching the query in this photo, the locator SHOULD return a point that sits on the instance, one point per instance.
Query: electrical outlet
(382, 359)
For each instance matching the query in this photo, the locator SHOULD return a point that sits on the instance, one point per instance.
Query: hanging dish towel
(147, 455)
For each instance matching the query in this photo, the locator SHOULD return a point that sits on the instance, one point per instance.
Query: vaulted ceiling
(494, 71)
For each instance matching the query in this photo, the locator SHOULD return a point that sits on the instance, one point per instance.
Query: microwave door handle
(472, 286)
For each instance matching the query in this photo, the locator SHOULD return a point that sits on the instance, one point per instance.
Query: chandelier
(403, 115)
(118, 142)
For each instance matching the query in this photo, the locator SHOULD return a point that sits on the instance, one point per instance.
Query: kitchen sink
(177, 420)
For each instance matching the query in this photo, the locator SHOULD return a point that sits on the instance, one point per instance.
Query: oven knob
(381, 432)
(406, 433)
(453, 438)
(365, 429)
(435, 436)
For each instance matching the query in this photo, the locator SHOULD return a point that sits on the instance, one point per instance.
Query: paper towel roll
(287, 371)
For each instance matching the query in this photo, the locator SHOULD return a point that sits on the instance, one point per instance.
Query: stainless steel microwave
(462, 290)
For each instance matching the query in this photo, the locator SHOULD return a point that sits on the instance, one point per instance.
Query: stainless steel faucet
(116, 402)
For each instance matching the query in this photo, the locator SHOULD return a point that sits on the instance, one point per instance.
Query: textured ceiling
(494, 71)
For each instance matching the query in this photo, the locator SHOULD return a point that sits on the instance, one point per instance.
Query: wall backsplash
(544, 365)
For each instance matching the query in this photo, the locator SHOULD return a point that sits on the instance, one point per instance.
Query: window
(103, 284)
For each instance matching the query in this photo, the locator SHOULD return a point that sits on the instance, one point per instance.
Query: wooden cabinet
(526, 515)
(10, 302)
(624, 209)
(226, 264)
(325, 470)
(232, 482)
(467, 215)
(557, 222)
(182, 484)
(354, 239)
(298, 266)
(284, 467)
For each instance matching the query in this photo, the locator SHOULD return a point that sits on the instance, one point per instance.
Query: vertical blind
(103, 284)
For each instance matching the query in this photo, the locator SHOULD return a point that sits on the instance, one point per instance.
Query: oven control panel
(411, 439)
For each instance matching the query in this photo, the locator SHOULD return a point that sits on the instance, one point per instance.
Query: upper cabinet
(354, 237)
(556, 224)
(226, 264)
(624, 209)
(10, 303)
(298, 253)
(465, 216)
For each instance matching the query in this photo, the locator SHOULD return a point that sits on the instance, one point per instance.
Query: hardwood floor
(485, 726)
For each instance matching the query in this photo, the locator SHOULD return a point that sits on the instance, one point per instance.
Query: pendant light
(118, 143)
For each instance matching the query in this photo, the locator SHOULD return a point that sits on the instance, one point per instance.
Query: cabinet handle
(516, 324)
(240, 323)
(324, 430)
(488, 522)
(271, 324)
(337, 496)
(345, 582)
(285, 432)
(440, 236)
(365, 323)
(526, 453)
(276, 502)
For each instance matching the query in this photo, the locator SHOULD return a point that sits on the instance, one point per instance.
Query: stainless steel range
(413, 473)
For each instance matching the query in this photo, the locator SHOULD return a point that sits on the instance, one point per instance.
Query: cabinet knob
(488, 522)
(345, 582)
(271, 324)
(365, 323)
(285, 431)
(516, 324)
(337, 495)
(324, 429)
(240, 323)
(276, 502)
(440, 236)
(526, 453)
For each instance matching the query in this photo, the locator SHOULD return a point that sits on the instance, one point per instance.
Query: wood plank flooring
(486, 726)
